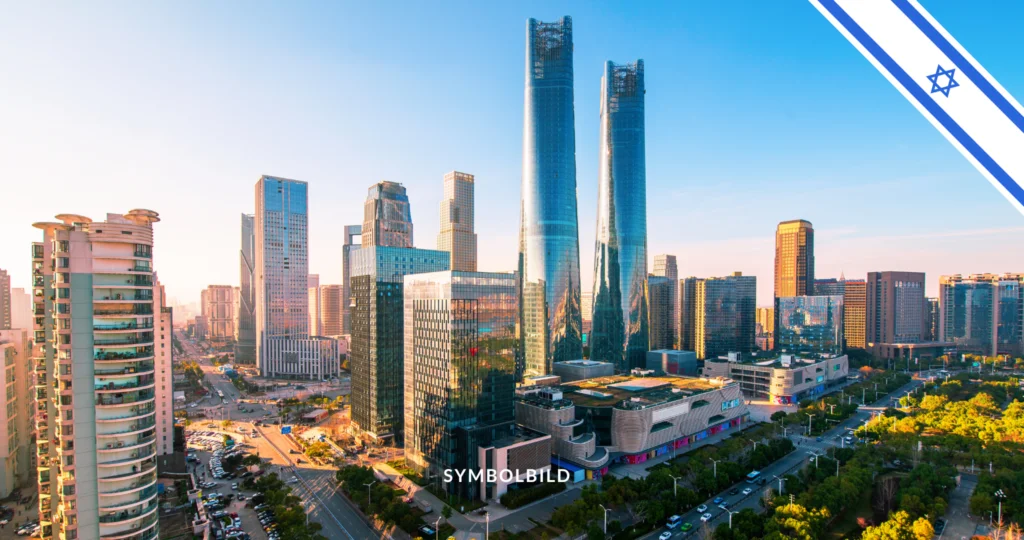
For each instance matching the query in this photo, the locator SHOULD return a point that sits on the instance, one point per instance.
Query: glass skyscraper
(810, 324)
(724, 310)
(982, 313)
(549, 250)
(281, 266)
(387, 216)
(245, 339)
(620, 331)
(460, 358)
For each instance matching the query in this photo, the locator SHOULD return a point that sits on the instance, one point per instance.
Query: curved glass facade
(620, 327)
(549, 251)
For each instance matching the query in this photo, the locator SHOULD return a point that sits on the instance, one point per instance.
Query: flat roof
(640, 391)
(584, 363)
(314, 413)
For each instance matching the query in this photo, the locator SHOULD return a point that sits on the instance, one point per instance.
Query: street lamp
(437, 527)
(816, 456)
(781, 486)
(1000, 495)
(369, 496)
(716, 466)
(730, 515)
(606, 517)
(675, 484)
(487, 525)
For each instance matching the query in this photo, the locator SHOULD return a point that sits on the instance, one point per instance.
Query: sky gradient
(757, 112)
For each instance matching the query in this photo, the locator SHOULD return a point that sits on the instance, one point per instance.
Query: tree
(900, 527)
(446, 512)
(796, 521)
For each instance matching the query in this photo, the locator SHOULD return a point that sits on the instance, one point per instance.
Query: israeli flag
(946, 84)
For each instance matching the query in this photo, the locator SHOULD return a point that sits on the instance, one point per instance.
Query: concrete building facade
(895, 309)
(17, 416)
(217, 305)
(783, 380)
(330, 310)
(457, 234)
(794, 258)
(245, 333)
(665, 266)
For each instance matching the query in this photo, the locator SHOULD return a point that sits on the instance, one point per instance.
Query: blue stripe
(925, 100)
(965, 67)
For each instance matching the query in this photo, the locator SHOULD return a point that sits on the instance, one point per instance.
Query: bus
(220, 394)
(674, 522)
(752, 477)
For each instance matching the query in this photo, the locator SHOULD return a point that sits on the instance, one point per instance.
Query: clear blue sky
(757, 112)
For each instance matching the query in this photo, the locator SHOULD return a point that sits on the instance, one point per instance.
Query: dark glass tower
(549, 249)
(620, 325)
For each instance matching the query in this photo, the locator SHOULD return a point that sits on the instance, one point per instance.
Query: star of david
(951, 84)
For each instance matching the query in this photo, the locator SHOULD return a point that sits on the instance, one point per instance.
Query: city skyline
(906, 160)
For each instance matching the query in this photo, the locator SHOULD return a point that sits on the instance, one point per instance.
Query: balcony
(140, 426)
(135, 457)
(137, 485)
(138, 369)
(143, 495)
(141, 296)
(128, 515)
(136, 471)
(146, 352)
(121, 327)
(123, 399)
(108, 311)
(146, 339)
(127, 445)
(142, 382)
(148, 527)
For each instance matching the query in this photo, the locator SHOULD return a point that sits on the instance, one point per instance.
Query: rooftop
(637, 391)
(776, 360)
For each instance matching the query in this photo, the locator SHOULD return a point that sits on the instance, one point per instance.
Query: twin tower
(549, 255)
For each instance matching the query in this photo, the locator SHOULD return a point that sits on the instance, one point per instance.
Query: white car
(747, 491)
(665, 536)
(702, 508)
(706, 517)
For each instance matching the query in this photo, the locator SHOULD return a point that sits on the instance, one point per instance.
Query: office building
(932, 319)
(330, 310)
(665, 265)
(315, 328)
(387, 216)
(16, 440)
(163, 374)
(659, 306)
(549, 249)
(312, 358)
(217, 305)
(673, 362)
(809, 325)
(782, 380)
(313, 281)
(587, 313)
(459, 370)
(722, 319)
(794, 258)
(352, 233)
(624, 419)
(98, 402)
(457, 236)
(895, 310)
(376, 354)
(5, 300)
(524, 454)
(576, 370)
(620, 329)
(855, 298)
(687, 313)
(983, 313)
(281, 270)
(21, 309)
(245, 335)
(765, 322)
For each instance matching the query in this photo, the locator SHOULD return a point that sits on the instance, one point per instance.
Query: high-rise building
(932, 319)
(281, 271)
(313, 281)
(351, 234)
(660, 307)
(809, 325)
(724, 309)
(765, 332)
(794, 258)
(313, 291)
(21, 309)
(387, 216)
(587, 314)
(16, 440)
(217, 305)
(895, 309)
(5, 300)
(330, 310)
(457, 208)
(620, 332)
(688, 313)
(829, 287)
(163, 372)
(983, 313)
(245, 335)
(459, 370)
(549, 247)
(376, 354)
(97, 440)
(854, 293)
(665, 265)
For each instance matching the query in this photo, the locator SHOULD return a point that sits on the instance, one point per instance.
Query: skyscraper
(983, 313)
(330, 310)
(549, 249)
(94, 282)
(5, 300)
(895, 311)
(855, 298)
(217, 305)
(351, 232)
(16, 447)
(245, 346)
(620, 327)
(665, 265)
(21, 309)
(933, 318)
(810, 325)
(376, 357)
(313, 292)
(459, 369)
(387, 216)
(457, 236)
(724, 309)
(794, 258)
(660, 307)
(688, 313)
(765, 321)
(281, 269)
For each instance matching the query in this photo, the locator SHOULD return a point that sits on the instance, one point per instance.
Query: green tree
(446, 512)
(900, 527)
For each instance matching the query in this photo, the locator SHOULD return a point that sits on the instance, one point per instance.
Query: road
(315, 485)
(795, 460)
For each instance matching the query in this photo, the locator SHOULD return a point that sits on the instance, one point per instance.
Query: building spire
(842, 277)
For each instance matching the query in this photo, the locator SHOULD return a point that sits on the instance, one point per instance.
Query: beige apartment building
(218, 311)
(457, 236)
